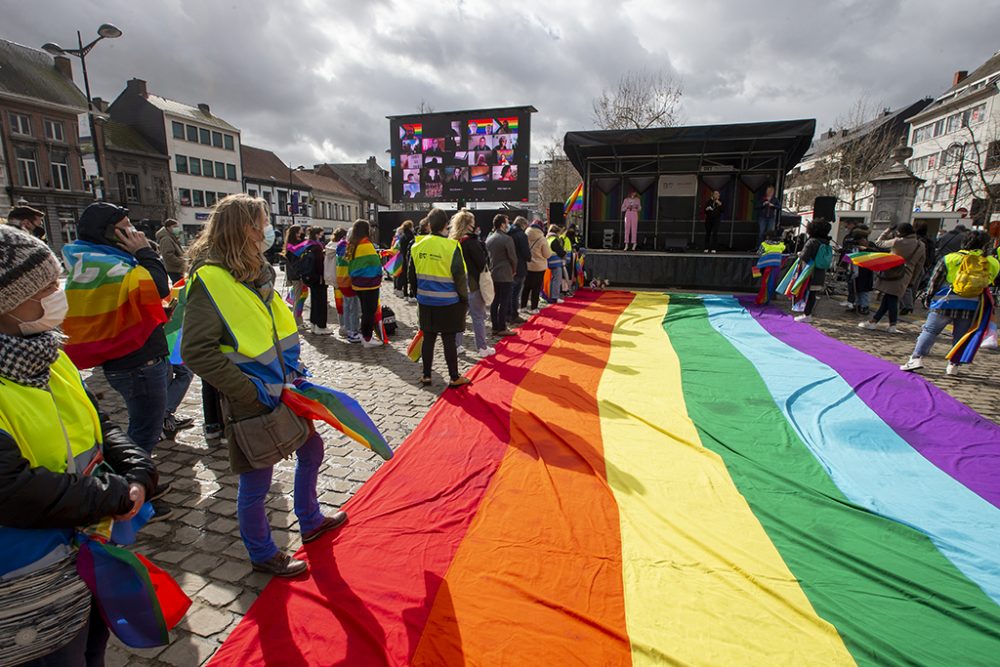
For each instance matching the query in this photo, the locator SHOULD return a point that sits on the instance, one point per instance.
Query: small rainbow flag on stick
(575, 201)
(394, 267)
(876, 261)
(313, 401)
(413, 350)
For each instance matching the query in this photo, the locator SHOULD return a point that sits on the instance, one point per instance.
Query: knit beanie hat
(26, 266)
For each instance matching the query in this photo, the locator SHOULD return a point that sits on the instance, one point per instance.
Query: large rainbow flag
(114, 305)
(651, 479)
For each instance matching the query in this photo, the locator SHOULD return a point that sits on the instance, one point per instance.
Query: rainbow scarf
(313, 401)
(710, 483)
(965, 350)
(114, 305)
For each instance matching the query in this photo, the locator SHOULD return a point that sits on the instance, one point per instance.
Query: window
(196, 166)
(178, 129)
(54, 131)
(27, 167)
(939, 128)
(282, 202)
(252, 193)
(231, 172)
(161, 191)
(185, 196)
(942, 191)
(267, 196)
(204, 136)
(993, 156)
(192, 133)
(206, 169)
(220, 170)
(209, 198)
(951, 156)
(219, 195)
(131, 188)
(217, 139)
(20, 124)
(198, 198)
(228, 142)
(181, 164)
(977, 114)
(932, 161)
(954, 122)
(59, 167)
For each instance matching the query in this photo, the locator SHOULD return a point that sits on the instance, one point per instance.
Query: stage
(728, 272)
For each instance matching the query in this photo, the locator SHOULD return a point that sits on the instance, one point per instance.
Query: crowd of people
(65, 467)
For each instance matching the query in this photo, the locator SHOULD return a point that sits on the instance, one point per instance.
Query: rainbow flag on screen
(313, 401)
(483, 125)
(575, 200)
(511, 123)
(663, 479)
(876, 261)
(114, 305)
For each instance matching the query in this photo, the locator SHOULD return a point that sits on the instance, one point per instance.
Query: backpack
(388, 320)
(305, 266)
(824, 257)
(973, 276)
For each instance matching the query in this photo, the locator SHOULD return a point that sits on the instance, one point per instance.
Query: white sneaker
(892, 329)
(866, 325)
(460, 349)
(533, 311)
(912, 364)
(847, 304)
(705, 251)
(373, 342)
(321, 331)
(951, 369)
(410, 299)
(484, 352)
(804, 318)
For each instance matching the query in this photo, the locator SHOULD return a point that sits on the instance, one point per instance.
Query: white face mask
(54, 309)
(268, 239)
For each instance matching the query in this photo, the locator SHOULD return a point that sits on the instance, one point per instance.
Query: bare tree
(982, 186)
(557, 178)
(641, 99)
(425, 107)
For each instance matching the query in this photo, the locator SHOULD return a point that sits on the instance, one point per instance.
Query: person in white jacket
(540, 253)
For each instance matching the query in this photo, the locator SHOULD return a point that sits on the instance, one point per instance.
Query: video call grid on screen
(463, 155)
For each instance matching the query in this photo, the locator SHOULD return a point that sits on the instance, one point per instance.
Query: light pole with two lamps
(106, 31)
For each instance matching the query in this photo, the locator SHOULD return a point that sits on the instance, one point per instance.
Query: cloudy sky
(313, 79)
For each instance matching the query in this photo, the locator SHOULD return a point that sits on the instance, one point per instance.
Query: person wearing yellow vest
(51, 438)
(235, 327)
(950, 301)
(437, 276)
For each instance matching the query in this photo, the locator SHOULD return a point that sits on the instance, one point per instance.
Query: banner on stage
(678, 185)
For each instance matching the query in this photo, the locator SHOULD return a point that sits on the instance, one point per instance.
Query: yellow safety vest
(555, 261)
(772, 247)
(432, 257)
(254, 326)
(57, 429)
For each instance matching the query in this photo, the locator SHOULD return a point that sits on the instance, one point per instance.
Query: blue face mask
(268, 240)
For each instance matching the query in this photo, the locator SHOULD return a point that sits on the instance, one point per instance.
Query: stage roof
(791, 137)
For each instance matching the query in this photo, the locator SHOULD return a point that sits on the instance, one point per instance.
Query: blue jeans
(764, 225)
(477, 310)
(864, 299)
(515, 297)
(178, 382)
(145, 392)
(253, 489)
(352, 315)
(935, 324)
(555, 286)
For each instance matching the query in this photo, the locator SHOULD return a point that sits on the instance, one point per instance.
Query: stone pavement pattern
(200, 545)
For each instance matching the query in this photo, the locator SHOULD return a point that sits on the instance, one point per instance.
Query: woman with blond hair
(463, 230)
(240, 336)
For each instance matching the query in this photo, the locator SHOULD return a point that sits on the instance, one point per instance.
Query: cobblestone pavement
(200, 545)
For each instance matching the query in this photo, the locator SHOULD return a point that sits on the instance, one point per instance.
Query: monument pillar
(895, 191)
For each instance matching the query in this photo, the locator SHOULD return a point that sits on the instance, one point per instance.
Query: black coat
(39, 498)
(522, 249)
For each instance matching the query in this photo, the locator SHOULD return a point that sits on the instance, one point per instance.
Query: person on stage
(631, 206)
(713, 215)
(767, 213)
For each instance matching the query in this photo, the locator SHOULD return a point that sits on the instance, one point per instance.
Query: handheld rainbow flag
(732, 488)
(767, 269)
(964, 351)
(581, 276)
(413, 350)
(575, 200)
(394, 267)
(876, 261)
(174, 328)
(300, 301)
(313, 401)
(138, 601)
(547, 285)
(114, 305)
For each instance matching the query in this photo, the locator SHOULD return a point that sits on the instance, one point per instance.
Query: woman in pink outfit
(631, 207)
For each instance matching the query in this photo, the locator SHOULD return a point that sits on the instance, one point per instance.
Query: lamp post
(106, 31)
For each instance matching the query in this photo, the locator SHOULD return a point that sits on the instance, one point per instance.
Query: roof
(466, 112)
(349, 174)
(981, 83)
(324, 184)
(120, 137)
(791, 137)
(991, 66)
(263, 165)
(885, 121)
(188, 111)
(27, 72)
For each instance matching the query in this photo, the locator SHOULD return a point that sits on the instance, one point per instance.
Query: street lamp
(106, 31)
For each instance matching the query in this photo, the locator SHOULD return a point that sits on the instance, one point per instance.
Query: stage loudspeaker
(826, 208)
(556, 215)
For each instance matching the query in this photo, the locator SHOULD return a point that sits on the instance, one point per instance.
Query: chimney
(959, 77)
(136, 87)
(202, 107)
(101, 104)
(64, 67)
(830, 133)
